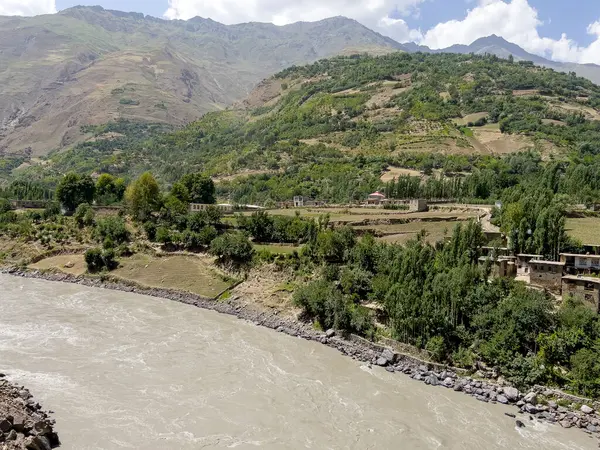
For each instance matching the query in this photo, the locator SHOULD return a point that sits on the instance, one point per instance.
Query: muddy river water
(124, 371)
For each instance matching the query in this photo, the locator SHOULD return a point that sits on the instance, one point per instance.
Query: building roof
(549, 263)
(578, 278)
(580, 255)
(528, 255)
(376, 194)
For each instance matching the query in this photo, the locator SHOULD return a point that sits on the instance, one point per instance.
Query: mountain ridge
(89, 65)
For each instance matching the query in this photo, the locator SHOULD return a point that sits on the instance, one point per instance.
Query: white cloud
(516, 21)
(26, 7)
(372, 13)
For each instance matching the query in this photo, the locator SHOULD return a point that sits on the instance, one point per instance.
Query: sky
(562, 30)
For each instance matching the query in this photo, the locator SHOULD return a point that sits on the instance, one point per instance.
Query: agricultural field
(586, 229)
(187, 273)
(401, 233)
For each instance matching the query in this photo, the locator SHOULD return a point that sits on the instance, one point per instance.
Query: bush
(163, 235)
(98, 260)
(437, 347)
(5, 206)
(52, 210)
(232, 248)
(112, 227)
(150, 230)
(94, 260)
(84, 215)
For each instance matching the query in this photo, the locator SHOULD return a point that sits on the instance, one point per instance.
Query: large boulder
(388, 355)
(531, 398)
(502, 399)
(586, 409)
(381, 361)
(511, 393)
(432, 380)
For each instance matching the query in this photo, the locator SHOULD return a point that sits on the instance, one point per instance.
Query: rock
(38, 443)
(42, 427)
(25, 395)
(502, 399)
(511, 393)
(566, 423)
(12, 435)
(69, 265)
(510, 415)
(531, 398)
(5, 426)
(388, 355)
(520, 403)
(592, 428)
(423, 368)
(552, 405)
(531, 409)
(519, 424)
(448, 382)
(432, 380)
(381, 362)
(586, 409)
(330, 333)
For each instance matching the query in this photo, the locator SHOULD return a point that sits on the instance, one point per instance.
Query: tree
(84, 215)
(109, 189)
(200, 188)
(143, 197)
(74, 189)
(232, 248)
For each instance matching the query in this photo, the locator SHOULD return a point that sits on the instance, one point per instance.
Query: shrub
(163, 235)
(98, 259)
(52, 210)
(112, 227)
(84, 215)
(94, 260)
(437, 347)
(150, 230)
(232, 248)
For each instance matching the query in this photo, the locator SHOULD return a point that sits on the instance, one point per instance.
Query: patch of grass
(185, 273)
(277, 249)
(71, 264)
(585, 229)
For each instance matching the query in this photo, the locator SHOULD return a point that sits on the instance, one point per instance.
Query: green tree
(232, 248)
(74, 189)
(200, 188)
(143, 197)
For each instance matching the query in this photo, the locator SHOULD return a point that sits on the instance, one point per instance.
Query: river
(125, 371)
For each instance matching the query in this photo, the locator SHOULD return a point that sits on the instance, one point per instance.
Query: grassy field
(186, 273)
(278, 249)
(71, 264)
(360, 214)
(401, 233)
(587, 229)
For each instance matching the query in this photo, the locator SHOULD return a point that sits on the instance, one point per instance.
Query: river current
(125, 371)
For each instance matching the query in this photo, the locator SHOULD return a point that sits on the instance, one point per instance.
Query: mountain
(87, 66)
(327, 129)
(495, 45)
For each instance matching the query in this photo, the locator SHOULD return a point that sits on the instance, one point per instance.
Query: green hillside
(332, 128)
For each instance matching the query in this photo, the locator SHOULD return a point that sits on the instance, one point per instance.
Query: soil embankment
(23, 424)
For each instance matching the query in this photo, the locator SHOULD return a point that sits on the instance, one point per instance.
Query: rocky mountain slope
(87, 66)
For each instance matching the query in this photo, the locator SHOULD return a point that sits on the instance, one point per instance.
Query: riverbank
(23, 423)
(541, 404)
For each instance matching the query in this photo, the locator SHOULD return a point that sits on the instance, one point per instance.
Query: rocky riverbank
(23, 424)
(540, 404)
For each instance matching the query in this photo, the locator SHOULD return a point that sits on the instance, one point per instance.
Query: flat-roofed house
(546, 274)
(523, 260)
(580, 264)
(586, 289)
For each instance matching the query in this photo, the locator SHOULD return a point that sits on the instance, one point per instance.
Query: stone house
(523, 261)
(502, 266)
(306, 202)
(580, 264)
(546, 274)
(586, 289)
(418, 205)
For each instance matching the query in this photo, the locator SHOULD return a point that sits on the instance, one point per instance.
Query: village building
(586, 289)
(225, 208)
(502, 266)
(306, 202)
(523, 261)
(418, 205)
(546, 274)
(376, 199)
(576, 264)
